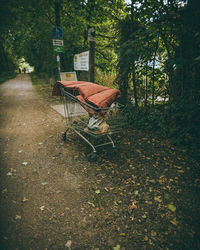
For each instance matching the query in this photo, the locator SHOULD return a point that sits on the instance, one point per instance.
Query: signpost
(58, 49)
(57, 32)
(81, 61)
(85, 61)
(58, 44)
(68, 76)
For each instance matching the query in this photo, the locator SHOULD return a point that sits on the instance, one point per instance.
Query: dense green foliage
(178, 121)
(149, 49)
(159, 51)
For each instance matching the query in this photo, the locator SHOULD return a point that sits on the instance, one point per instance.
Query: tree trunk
(134, 79)
(91, 60)
(134, 86)
(146, 85)
(153, 79)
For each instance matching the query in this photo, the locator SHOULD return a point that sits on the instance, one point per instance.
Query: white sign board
(81, 61)
(57, 42)
(68, 76)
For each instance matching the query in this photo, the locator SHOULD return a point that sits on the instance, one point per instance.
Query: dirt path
(144, 197)
(42, 199)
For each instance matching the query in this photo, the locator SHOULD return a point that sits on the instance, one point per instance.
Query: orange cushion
(88, 90)
(105, 98)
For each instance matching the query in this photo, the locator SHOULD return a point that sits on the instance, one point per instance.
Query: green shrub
(179, 121)
(6, 76)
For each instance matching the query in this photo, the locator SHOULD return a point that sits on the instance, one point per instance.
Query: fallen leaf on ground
(148, 202)
(25, 199)
(122, 234)
(133, 205)
(171, 207)
(158, 198)
(68, 244)
(4, 191)
(174, 221)
(117, 247)
(18, 217)
(91, 204)
(42, 208)
(150, 242)
(153, 233)
(44, 183)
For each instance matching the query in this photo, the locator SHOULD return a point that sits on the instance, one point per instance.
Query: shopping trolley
(95, 125)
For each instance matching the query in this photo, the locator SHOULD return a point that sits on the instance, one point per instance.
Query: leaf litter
(131, 196)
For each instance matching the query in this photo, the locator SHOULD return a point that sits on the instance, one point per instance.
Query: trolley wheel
(92, 157)
(64, 136)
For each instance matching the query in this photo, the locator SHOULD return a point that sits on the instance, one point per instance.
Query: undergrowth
(178, 121)
(6, 76)
(43, 84)
(106, 79)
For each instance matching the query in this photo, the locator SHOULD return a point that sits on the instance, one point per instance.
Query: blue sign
(57, 32)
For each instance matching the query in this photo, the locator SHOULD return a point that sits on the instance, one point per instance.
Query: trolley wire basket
(94, 125)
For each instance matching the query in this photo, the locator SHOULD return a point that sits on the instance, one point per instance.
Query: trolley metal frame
(79, 125)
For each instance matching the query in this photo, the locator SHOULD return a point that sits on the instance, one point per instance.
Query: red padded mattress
(91, 93)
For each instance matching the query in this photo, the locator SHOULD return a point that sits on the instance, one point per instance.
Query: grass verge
(42, 85)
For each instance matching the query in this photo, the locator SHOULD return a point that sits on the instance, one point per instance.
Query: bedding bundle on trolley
(101, 106)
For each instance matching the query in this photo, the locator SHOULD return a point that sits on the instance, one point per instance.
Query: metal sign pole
(57, 31)
(58, 63)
